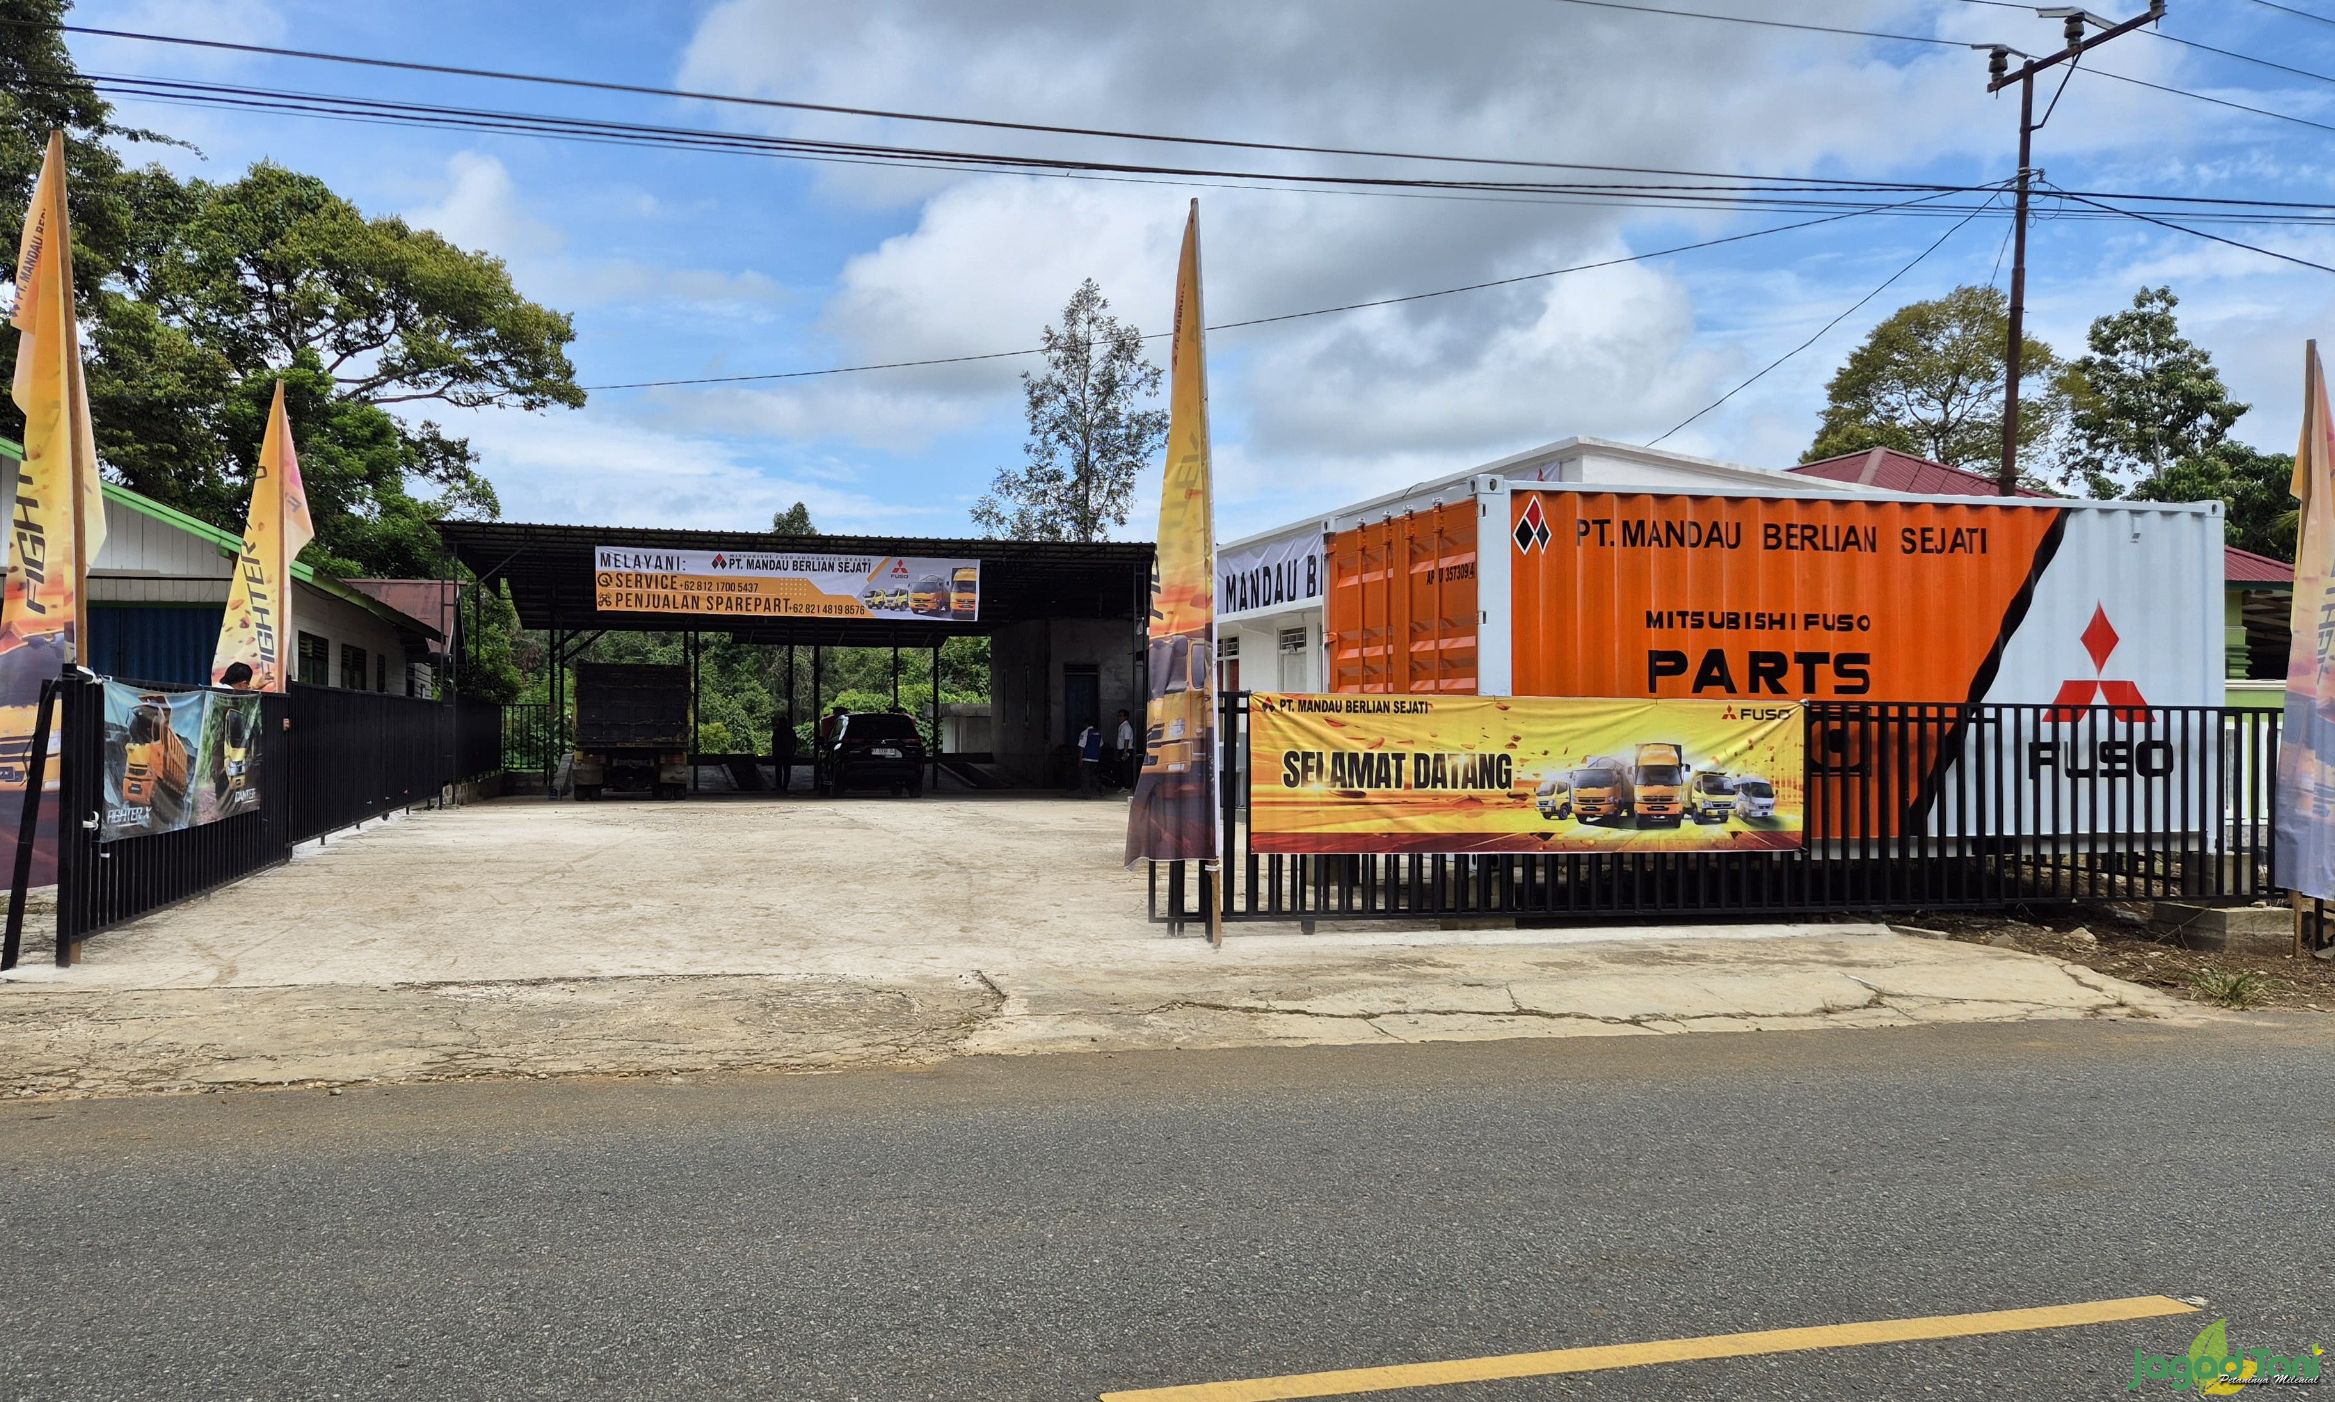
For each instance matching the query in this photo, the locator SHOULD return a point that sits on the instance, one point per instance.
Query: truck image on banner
(753, 584)
(1383, 774)
(177, 759)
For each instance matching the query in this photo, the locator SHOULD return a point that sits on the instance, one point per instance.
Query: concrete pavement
(1017, 1230)
(523, 938)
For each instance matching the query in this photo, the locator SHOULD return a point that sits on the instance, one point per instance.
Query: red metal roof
(430, 601)
(1893, 471)
(2246, 567)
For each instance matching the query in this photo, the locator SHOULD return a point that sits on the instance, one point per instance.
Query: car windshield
(1595, 779)
(878, 726)
(1167, 661)
(1657, 773)
(1756, 788)
(1551, 785)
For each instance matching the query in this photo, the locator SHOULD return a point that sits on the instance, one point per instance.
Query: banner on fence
(175, 759)
(1366, 774)
(746, 583)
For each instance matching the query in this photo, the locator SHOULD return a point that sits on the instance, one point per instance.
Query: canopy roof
(548, 570)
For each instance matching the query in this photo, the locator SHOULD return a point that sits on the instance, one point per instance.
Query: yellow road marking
(1347, 1381)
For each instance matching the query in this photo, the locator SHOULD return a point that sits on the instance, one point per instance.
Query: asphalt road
(1062, 1226)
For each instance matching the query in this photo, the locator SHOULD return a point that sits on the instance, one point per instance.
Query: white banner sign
(1274, 574)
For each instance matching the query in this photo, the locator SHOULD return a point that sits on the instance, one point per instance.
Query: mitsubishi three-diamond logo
(2077, 693)
(1532, 528)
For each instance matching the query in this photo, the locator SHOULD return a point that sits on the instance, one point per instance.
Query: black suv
(871, 748)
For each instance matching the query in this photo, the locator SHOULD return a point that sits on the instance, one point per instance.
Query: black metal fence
(344, 757)
(1905, 807)
(530, 745)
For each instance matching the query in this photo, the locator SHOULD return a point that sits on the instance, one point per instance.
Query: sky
(693, 264)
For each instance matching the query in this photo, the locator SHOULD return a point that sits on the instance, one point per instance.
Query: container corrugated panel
(1867, 598)
(171, 646)
(1402, 605)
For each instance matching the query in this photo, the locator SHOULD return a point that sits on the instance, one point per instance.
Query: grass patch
(2232, 988)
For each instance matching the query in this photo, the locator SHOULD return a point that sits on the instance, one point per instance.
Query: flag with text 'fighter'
(258, 620)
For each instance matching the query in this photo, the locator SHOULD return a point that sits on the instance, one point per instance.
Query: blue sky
(679, 264)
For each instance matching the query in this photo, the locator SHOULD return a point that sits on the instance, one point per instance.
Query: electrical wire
(2289, 9)
(1845, 314)
(996, 124)
(1266, 320)
(2195, 233)
(1799, 197)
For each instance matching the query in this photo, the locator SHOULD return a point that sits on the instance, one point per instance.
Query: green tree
(2145, 398)
(1087, 435)
(198, 296)
(1929, 381)
(795, 520)
(2257, 513)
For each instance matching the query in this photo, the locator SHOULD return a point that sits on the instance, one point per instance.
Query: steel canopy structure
(547, 571)
(1030, 592)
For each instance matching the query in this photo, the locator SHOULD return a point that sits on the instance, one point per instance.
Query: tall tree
(2144, 399)
(2257, 513)
(198, 296)
(1088, 436)
(1929, 380)
(794, 520)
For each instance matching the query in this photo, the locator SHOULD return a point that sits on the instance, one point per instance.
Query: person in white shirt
(1126, 758)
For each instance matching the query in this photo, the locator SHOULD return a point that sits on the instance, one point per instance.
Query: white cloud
(1370, 399)
(606, 469)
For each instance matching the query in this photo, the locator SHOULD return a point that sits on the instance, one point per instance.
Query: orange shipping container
(1402, 604)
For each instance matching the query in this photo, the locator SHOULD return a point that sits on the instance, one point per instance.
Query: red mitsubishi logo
(2099, 640)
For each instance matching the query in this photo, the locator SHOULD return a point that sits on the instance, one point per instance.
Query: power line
(834, 109)
(2198, 233)
(1959, 44)
(1845, 314)
(1266, 320)
(1769, 23)
(2289, 9)
(1640, 195)
(2193, 43)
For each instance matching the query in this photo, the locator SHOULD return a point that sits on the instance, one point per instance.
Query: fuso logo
(899, 567)
(2099, 640)
(1532, 528)
(721, 562)
(1755, 713)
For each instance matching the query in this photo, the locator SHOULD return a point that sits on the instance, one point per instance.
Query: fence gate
(1908, 807)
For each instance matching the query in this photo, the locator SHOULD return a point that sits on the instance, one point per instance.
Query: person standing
(1125, 758)
(1090, 761)
(830, 725)
(782, 747)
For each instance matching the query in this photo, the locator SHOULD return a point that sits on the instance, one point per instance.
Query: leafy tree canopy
(794, 520)
(1088, 436)
(1929, 381)
(2145, 398)
(2257, 513)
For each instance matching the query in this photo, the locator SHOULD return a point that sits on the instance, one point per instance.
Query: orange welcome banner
(1378, 774)
(259, 598)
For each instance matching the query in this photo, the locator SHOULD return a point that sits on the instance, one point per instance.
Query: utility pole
(2000, 75)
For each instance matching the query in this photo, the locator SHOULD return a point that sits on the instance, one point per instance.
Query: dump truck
(1602, 791)
(1660, 780)
(632, 729)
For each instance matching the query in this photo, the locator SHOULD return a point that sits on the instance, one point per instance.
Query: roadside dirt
(2116, 940)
